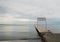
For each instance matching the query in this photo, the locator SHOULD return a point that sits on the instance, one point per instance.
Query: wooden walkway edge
(46, 35)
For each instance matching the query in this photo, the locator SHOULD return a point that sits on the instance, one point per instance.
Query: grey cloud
(3, 9)
(32, 8)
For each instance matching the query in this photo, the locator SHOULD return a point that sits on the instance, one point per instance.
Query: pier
(46, 35)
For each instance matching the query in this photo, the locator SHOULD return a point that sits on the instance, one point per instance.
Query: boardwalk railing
(49, 32)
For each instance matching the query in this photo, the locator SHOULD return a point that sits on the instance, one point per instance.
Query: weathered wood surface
(57, 37)
(46, 34)
(41, 30)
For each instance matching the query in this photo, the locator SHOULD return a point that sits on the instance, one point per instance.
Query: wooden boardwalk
(40, 29)
(47, 36)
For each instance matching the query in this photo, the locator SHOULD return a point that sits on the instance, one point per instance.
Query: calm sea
(17, 31)
(24, 30)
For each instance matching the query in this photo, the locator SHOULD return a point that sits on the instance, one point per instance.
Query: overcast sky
(29, 9)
